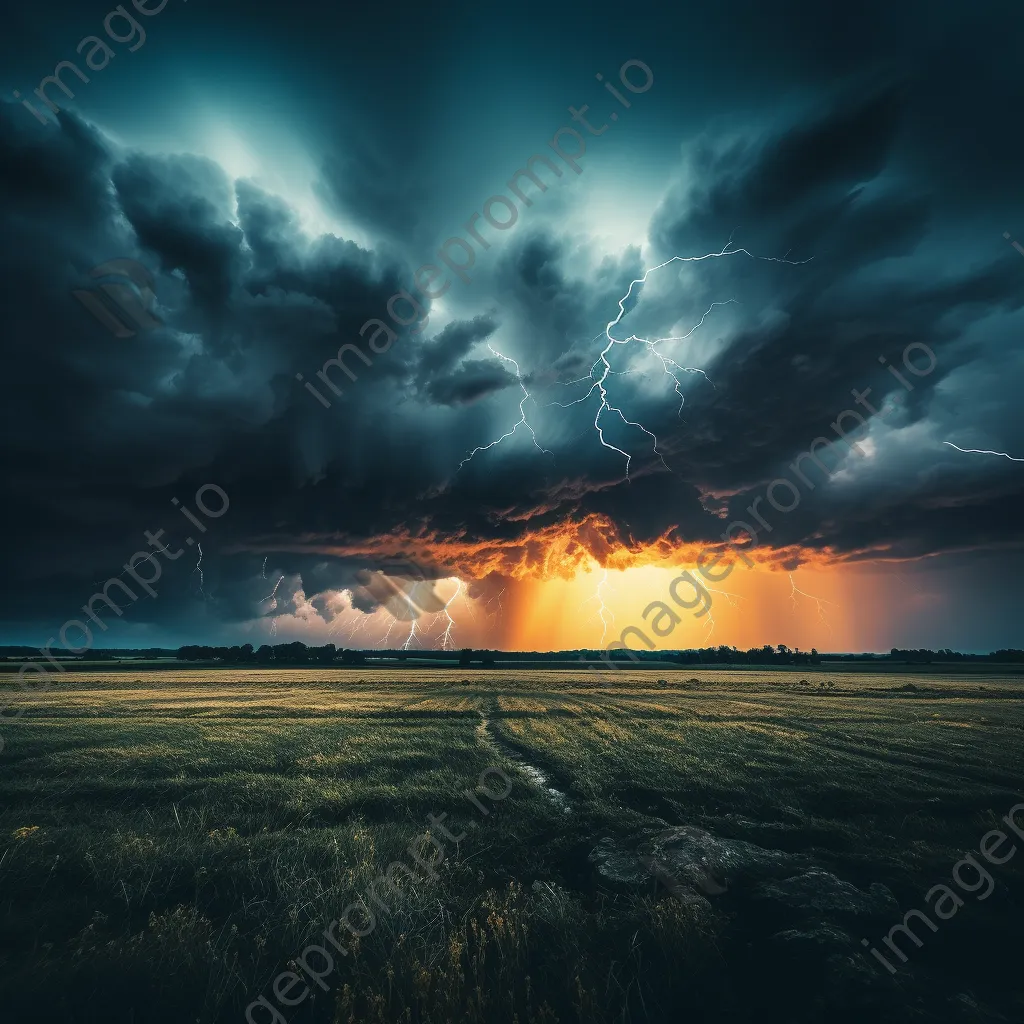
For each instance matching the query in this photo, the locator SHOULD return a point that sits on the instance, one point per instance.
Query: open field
(704, 845)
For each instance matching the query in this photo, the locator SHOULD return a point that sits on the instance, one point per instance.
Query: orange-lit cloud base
(580, 584)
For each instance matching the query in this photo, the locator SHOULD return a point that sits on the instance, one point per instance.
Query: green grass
(169, 843)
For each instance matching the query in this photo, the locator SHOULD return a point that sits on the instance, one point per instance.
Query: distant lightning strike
(199, 569)
(497, 599)
(732, 600)
(522, 421)
(272, 596)
(981, 451)
(359, 626)
(413, 634)
(421, 624)
(669, 365)
(604, 613)
(447, 643)
(387, 636)
(819, 601)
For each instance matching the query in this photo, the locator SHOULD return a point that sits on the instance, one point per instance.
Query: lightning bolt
(667, 361)
(447, 643)
(496, 599)
(412, 635)
(387, 635)
(981, 451)
(272, 596)
(669, 365)
(603, 609)
(421, 623)
(199, 569)
(1015, 244)
(358, 624)
(730, 597)
(522, 421)
(351, 621)
(819, 601)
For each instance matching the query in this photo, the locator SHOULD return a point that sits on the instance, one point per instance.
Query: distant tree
(325, 654)
(293, 653)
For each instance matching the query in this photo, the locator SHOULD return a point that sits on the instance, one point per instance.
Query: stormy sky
(284, 171)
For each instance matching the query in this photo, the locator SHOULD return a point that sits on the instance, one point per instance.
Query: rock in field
(689, 857)
(820, 892)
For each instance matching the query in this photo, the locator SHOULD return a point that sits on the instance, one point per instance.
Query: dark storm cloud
(177, 209)
(444, 374)
(831, 190)
(830, 195)
(562, 310)
(105, 432)
(454, 342)
(798, 169)
(474, 379)
(845, 179)
(374, 190)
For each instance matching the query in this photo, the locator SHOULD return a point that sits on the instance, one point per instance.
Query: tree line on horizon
(298, 653)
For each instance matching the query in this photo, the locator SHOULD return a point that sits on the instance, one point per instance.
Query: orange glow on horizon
(750, 608)
(801, 597)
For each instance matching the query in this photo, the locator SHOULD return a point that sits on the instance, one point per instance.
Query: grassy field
(690, 847)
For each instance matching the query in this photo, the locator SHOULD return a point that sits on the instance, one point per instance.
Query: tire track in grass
(536, 775)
